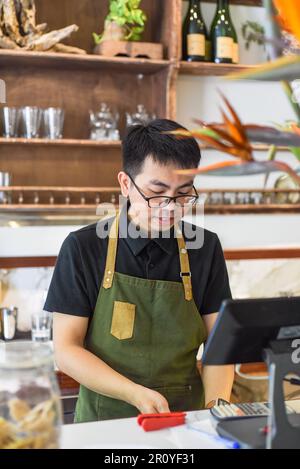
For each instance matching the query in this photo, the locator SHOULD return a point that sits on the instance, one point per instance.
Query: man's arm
(217, 380)
(74, 360)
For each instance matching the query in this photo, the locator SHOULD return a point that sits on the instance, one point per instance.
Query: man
(132, 311)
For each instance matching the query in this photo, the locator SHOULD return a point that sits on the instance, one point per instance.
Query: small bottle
(195, 35)
(223, 36)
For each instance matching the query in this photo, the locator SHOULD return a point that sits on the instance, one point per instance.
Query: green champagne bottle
(195, 34)
(223, 36)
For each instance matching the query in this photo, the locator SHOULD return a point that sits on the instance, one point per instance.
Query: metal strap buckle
(185, 274)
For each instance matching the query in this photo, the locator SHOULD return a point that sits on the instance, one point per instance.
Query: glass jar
(104, 124)
(140, 117)
(30, 407)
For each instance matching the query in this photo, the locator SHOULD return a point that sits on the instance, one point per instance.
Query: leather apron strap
(185, 270)
(185, 273)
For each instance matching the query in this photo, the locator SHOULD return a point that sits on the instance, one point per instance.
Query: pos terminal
(256, 330)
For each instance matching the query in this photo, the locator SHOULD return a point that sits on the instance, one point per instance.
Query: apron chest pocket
(123, 320)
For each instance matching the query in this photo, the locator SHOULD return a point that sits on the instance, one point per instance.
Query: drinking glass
(54, 122)
(41, 324)
(10, 121)
(31, 118)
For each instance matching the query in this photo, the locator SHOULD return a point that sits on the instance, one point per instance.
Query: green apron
(149, 331)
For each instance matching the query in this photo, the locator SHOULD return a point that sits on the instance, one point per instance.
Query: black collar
(139, 242)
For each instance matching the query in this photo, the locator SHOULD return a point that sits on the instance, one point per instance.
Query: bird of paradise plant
(288, 16)
(283, 16)
(232, 136)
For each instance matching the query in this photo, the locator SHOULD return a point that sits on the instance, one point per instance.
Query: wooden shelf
(90, 209)
(252, 209)
(203, 69)
(68, 142)
(248, 3)
(82, 62)
(85, 143)
(60, 189)
(82, 201)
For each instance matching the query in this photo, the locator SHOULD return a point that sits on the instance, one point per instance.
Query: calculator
(227, 411)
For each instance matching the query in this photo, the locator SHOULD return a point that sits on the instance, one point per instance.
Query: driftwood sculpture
(18, 29)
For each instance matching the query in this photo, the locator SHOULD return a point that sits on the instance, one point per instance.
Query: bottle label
(236, 53)
(225, 46)
(196, 44)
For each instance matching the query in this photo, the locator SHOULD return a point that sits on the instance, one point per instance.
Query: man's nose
(170, 208)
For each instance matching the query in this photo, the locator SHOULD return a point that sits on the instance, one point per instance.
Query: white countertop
(126, 433)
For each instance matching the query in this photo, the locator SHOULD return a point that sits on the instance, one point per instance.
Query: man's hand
(148, 401)
(92, 372)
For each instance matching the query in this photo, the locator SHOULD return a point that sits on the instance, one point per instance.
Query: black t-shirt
(81, 263)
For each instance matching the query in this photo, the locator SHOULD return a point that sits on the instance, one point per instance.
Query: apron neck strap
(185, 273)
(111, 253)
(185, 270)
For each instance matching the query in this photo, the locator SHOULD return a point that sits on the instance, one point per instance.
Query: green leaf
(269, 135)
(97, 38)
(240, 168)
(138, 29)
(290, 95)
(137, 17)
(120, 21)
(296, 152)
(136, 32)
(113, 9)
(135, 37)
(283, 69)
(127, 12)
(134, 4)
(271, 157)
(208, 132)
(129, 36)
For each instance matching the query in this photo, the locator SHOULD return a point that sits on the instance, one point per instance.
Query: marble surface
(264, 278)
(27, 288)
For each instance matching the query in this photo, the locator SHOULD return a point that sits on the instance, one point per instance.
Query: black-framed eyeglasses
(162, 201)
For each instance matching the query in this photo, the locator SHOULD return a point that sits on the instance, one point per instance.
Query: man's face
(156, 180)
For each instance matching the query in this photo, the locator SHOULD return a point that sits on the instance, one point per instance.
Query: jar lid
(25, 354)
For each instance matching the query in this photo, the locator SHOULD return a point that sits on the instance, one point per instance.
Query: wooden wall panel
(78, 91)
(51, 166)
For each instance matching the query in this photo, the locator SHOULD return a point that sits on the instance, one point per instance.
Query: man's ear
(124, 182)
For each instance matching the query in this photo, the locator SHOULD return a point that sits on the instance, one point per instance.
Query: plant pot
(113, 32)
(133, 49)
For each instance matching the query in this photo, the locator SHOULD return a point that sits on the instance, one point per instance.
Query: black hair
(142, 141)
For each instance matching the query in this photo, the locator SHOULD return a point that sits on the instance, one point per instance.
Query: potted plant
(125, 22)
